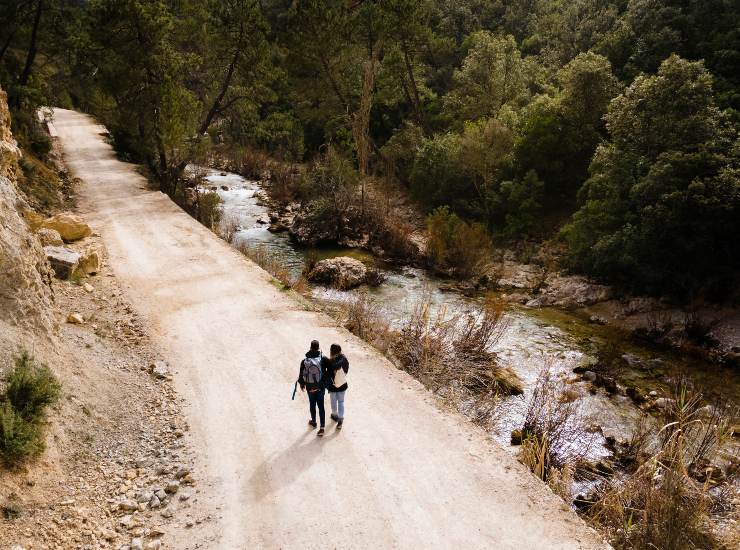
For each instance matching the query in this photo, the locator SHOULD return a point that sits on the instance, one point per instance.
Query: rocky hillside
(25, 276)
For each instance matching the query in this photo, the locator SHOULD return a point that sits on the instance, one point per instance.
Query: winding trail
(402, 473)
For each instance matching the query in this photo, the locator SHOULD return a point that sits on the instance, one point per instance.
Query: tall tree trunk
(414, 89)
(33, 46)
(224, 87)
(361, 123)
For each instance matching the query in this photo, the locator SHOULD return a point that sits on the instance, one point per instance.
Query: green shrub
(456, 246)
(209, 209)
(30, 388)
(438, 177)
(30, 134)
(40, 183)
(19, 438)
(332, 177)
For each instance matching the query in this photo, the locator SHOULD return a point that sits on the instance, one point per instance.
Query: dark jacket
(325, 362)
(339, 362)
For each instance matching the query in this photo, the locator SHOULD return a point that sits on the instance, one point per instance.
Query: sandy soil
(401, 474)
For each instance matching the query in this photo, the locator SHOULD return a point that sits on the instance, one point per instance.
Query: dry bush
(456, 247)
(253, 163)
(659, 322)
(638, 446)
(552, 427)
(668, 502)
(702, 430)
(453, 352)
(424, 344)
(301, 286)
(263, 257)
(228, 227)
(365, 319)
(284, 182)
(246, 161)
(389, 230)
(697, 330)
(478, 332)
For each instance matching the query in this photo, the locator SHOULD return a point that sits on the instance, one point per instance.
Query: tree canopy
(613, 120)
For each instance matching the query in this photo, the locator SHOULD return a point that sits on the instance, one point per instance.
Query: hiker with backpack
(337, 383)
(312, 377)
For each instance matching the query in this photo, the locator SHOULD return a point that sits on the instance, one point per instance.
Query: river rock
(571, 291)
(664, 403)
(522, 276)
(343, 272)
(516, 298)
(63, 261)
(49, 237)
(589, 375)
(146, 496)
(277, 228)
(69, 226)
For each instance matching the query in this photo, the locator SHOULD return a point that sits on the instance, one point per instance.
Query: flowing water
(531, 337)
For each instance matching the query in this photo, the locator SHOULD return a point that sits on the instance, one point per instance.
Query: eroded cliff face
(25, 294)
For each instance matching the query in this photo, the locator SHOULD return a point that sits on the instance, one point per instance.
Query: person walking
(338, 369)
(312, 378)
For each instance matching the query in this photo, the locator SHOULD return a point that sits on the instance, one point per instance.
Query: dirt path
(402, 473)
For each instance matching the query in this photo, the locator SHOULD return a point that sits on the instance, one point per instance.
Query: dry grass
(263, 257)
(674, 497)
(227, 227)
(553, 436)
(453, 352)
(364, 318)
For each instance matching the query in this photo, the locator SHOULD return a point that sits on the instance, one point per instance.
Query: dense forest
(610, 126)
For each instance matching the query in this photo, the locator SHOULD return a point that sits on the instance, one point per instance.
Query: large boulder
(309, 229)
(520, 276)
(64, 261)
(570, 291)
(342, 272)
(70, 226)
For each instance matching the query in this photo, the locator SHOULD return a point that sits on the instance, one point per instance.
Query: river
(532, 336)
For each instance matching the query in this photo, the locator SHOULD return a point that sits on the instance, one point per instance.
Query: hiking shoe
(312, 423)
(320, 432)
(339, 424)
(334, 417)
